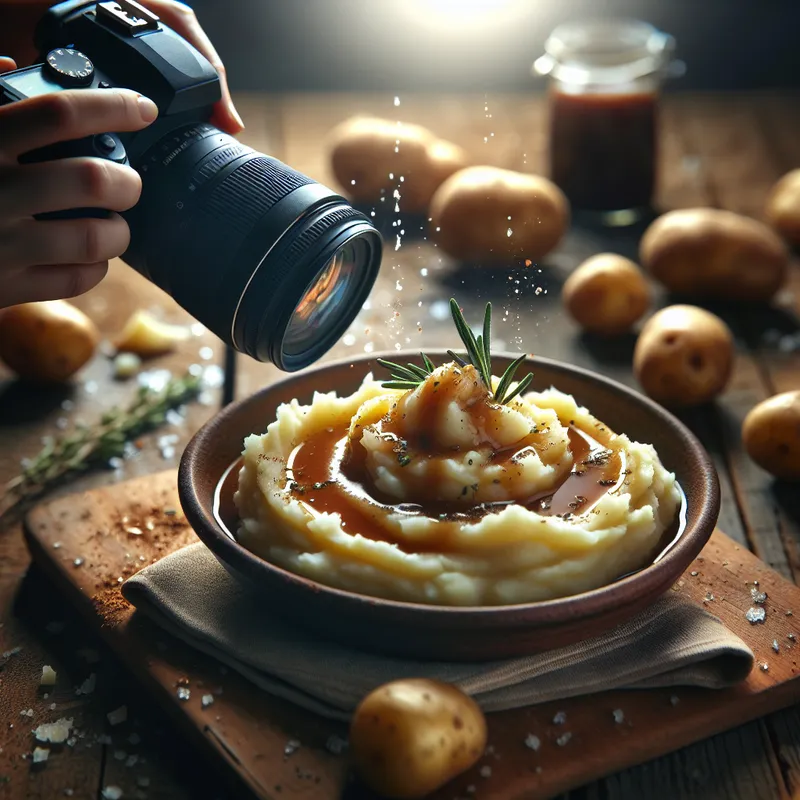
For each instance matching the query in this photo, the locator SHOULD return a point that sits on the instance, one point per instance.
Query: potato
(606, 294)
(771, 435)
(782, 210)
(411, 736)
(365, 151)
(683, 356)
(709, 252)
(491, 214)
(48, 341)
(147, 336)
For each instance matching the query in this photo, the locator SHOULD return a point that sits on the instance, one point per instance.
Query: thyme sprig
(95, 445)
(478, 354)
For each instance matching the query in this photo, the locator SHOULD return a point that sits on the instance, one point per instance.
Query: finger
(32, 243)
(182, 20)
(72, 114)
(7, 64)
(51, 282)
(67, 183)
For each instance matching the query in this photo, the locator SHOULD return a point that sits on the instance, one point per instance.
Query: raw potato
(782, 211)
(709, 252)
(411, 736)
(491, 214)
(771, 435)
(683, 356)
(368, 149)
(48, 341)
(606, 294)
(147, 336)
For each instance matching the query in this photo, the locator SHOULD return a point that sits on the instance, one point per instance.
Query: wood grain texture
(755, 509)
(248, 730)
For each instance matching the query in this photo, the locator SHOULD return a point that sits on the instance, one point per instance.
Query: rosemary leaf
(487, 339)
(506, 380)
(398, 370)
(428, 363)
(457, 358)
(421, 373)
(520, 388)
(401, 384)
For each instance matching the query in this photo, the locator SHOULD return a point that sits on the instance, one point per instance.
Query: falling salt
(563, 739)
(424, 272)
(755, 615)
(352, 183)
(195, 370)
(509, 232)
(560, 718)
(533, 742)
(397, 101)
(759, 598)
(213, 376)
(775, 646)
(618, 715)
(349, 340)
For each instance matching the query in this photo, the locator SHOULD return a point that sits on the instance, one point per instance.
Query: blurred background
(395, 45)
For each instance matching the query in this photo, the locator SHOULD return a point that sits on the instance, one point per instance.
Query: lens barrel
(241, 240)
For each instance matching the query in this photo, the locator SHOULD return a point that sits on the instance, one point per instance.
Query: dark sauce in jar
(603, 149)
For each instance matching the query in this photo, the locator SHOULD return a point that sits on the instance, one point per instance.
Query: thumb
(7, 64)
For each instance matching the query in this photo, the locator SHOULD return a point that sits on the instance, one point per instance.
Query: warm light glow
(461, 13)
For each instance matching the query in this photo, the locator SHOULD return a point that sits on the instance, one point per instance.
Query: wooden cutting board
(115, 531)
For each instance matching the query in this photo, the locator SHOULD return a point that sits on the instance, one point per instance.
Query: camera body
(274, 263)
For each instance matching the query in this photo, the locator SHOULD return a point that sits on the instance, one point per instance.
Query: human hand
(50, 259)
(183, 21)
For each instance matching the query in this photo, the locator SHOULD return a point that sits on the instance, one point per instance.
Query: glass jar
(605, 78)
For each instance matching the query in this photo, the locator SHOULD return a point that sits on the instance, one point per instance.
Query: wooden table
(723, 151)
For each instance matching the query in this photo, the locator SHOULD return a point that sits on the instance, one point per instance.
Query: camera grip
(102, 145)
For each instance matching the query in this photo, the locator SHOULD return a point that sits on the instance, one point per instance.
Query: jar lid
(606, 51)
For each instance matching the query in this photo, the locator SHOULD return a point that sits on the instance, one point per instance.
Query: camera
(272, 262)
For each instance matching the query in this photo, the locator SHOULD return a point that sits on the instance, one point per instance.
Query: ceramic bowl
(207, 480)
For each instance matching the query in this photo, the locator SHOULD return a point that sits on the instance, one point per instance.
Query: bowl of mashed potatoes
(435, 521)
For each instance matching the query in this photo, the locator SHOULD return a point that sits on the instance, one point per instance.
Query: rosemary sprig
(478, 354)
(91, 446)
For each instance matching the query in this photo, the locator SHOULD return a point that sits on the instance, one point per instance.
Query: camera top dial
(69, 67)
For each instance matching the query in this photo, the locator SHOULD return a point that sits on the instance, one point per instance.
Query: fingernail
(147, 108)
(236, 116)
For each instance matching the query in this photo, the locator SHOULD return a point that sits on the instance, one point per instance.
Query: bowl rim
(700, 520)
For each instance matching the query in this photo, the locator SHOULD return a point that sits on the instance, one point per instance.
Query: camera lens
(274, 263)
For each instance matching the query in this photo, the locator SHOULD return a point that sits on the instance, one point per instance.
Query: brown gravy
(323, 479)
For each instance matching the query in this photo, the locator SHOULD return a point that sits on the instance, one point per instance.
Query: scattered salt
(694, 573)
(486, 772)
(48, 676)
(71, 741)
(118, 715)
(759, 598)
(184, 693)
(563, 739)
(709, 597)
(55, 732)
(619, 717)
(533, 742)
(26, 713)
(764, 666)
(776, 646)
(12, 652)
(40, 754)
(791, 637)
(560, 718)
(112, 793)
(292, 746)
(56, 545)
(120, 755)
(674, 700)
(88, 686)
(132, 760)
(207, 700)
(78, 561)
(336, 745)
(755, 615)
(52, 706)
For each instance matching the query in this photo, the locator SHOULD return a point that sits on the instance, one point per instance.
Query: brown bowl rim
(700, 520)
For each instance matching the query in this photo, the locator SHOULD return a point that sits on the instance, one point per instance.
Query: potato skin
(470, 215)
(771, 435)
(782, 209)
(606, 294)
(714, 253)
(683, 356)
(48, 341)
(409, 737)
(362, 149)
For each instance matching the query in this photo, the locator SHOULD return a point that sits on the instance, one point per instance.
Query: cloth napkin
(189, 594)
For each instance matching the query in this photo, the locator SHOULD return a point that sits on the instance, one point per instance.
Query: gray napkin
(188, 593)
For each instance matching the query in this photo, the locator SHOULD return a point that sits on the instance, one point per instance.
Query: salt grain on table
(759, 598)
(207, 700)
(563, 739)
(775, 646)
(78, 561)
(291, 747)
(54, 732)
(619, 716)
(560, 718)
(88, 686)
(764, 666)
(336, 745)
(40, 754)
(132, 760)
(48, 676)
(755, 615)
(183, 693)
(533, 742)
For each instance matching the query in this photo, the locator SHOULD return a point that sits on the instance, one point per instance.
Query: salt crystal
(48, 676)
(759, 598)
(56, 545)
(336, 745)
(486, 772)
(755, 615)
(134, 530)
(291, 747)
(709, 597)
(788, 613)
(26, 713)
(619, 717)
(776, 646)
(207, 700)
(560, 718)
(791, 637)
(52, 706)
(118, 715)
(115, 463)
(131, 760)
(112, 793)
(40, 754)
(55, 732)
(694, 573)
(120, 755)
(206, 353)
(764, 666)
(71, 741)
(563, 739)
(88, 686)
(184, 693)
(12, 652)
(533, 742)
(78, 561)
(62, 423)
(155, 380)
(674, 700)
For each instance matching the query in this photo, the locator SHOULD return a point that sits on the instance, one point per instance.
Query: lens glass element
(326, 299)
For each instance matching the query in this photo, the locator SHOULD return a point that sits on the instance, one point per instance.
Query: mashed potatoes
(440, 495)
